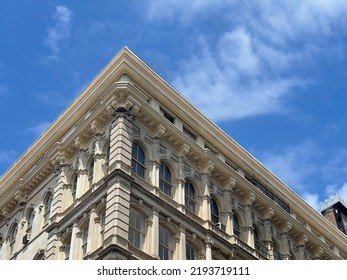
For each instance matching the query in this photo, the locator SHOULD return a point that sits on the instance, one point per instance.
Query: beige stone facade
(131, 170)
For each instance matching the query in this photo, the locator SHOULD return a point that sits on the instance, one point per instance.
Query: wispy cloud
(312, 199)
(184, 11)
(58, 33)
(247, 68)
(38, 129)
(294, 164)
(7, 156)
(311, 172)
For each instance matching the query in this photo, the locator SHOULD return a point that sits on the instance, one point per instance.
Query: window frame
(165, 244)
(137, 230)
(215, 217)
(165, 179)
(190, 196)
(138, 159)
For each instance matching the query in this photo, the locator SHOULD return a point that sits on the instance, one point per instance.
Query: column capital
(122, 112)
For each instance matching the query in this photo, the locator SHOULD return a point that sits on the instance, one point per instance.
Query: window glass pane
(165, 184)
(214, 212)
(189, 196)
(165, 244)
(190, 252)
(136, 228)
(138, 160)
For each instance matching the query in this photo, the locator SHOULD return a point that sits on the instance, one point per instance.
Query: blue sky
(272, 74)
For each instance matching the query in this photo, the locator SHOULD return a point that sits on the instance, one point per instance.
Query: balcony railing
(261, 249)
(265, 190)
(258, 254)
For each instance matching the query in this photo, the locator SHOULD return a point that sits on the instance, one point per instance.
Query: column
(153, 234)
(117, 211)
(208, 248)
(53, 247)
(301, 246)
(205, 209)
(60, 189)
(284, 240)
(93, 231)
(248, 228)
(179, 194)
(267, 231)
(82, 172)
(76, 243)
(181, 248)
(99, 156)
(121, 140)
(180, 182)
(227, 215)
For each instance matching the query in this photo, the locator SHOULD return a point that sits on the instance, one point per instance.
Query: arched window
(214, 211)
(102, 225)
(1, 241)
(85, 231)
(190, 197)
(138, 160)
(74, 188)
(236, 226)
(29, 219)
(47, 208)
(191, 252)
(165, 183)
(136, 228)
(276, 252)
(165, 244)
(107, 155)
(67, 247)
(91, 172)
(12, 239)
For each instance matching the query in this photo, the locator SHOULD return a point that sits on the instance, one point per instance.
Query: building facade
(334, 209)
(131, 170)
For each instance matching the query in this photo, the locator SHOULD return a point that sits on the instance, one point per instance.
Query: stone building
(131, 170)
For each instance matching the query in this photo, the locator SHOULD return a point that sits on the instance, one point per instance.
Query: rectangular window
(167, 116)
(165, 244)
(189, 133)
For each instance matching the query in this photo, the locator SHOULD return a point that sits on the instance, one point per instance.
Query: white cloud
(331, 190)
(335, 169)
(234, 80)
(293, 164)
(38, 129)
(184, 11)
(312, 199)
(246, 67)
(58, 34)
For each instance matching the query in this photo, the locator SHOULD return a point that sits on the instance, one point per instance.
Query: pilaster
(208, 248)
(121, 140)
(248, 228)
(154, 234)
(117, 211)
